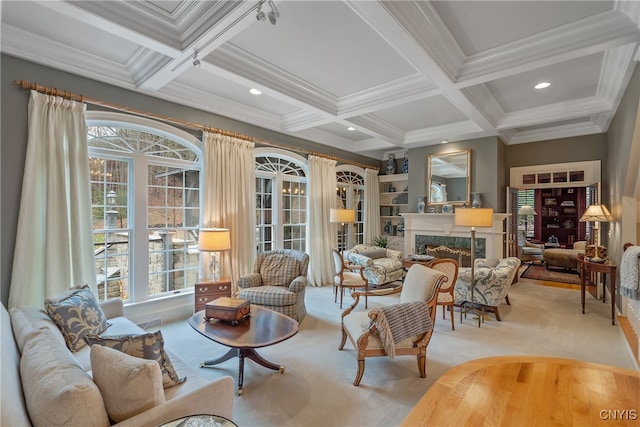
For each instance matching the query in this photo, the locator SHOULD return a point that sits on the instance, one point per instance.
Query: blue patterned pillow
(77, 314)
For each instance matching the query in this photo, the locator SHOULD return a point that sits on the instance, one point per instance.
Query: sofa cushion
(148, 346)
(279, 270)
(77, 313)
(27, 319)
(129, 385)
(57, 390)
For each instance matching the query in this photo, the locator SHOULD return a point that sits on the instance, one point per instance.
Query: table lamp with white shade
(342, 216)
(596, 214)
(474, 217)
(214, 240)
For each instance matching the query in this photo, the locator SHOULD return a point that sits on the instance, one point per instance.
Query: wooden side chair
(420, 285)
(348, 276)
(449, 267)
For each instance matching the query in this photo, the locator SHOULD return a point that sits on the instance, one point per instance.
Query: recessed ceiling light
(351, 128)
(444, 141)
(255, 92)
(542, 85)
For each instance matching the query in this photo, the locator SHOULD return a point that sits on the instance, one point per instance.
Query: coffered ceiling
(402, 74)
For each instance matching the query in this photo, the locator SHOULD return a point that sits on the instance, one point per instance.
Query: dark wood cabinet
(559, 212)
(206, 290)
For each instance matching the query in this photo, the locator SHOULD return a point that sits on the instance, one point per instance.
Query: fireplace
(436, 234)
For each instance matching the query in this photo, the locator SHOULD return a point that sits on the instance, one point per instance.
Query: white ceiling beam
(560, 111)
(580, 38)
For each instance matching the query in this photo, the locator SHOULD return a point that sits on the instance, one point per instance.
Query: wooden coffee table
(263, 328)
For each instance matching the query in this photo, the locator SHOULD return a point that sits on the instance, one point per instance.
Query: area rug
(540, 272)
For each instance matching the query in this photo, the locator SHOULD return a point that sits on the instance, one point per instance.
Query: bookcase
(559, 212)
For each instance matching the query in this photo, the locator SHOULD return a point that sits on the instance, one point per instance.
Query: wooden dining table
(530, 391)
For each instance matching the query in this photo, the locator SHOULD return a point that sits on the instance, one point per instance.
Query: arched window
(350, 192)
(281, 200)
(145, 195)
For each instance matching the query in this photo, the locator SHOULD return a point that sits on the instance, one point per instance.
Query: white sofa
(21, 330)
(381, 265)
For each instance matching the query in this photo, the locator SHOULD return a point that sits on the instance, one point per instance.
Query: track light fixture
(274, 14)
(196, 61)
(260, 15)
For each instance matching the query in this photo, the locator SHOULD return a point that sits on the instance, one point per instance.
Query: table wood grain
(530, 391)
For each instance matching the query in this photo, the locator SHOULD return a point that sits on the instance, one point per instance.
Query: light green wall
(14, 135)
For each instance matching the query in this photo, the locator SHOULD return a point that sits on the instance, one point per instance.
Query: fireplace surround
(436, 234)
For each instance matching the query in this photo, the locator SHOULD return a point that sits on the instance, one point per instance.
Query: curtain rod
(24, 84)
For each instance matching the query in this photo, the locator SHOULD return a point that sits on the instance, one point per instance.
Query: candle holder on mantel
(476, 202)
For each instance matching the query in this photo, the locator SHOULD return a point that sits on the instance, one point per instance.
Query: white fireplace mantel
(441, 224)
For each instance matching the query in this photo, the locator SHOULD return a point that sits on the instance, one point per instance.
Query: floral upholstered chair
(493, 278)
(278, 282)
(381, 265)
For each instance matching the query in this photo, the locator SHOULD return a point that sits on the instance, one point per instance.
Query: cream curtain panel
(371, 205)
(322, 236)
(229, 201)
(54, 241)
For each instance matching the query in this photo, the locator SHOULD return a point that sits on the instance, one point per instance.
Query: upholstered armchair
(278, 282)
(493, 278)
(381, 265)
(528, 251)
(365, 330)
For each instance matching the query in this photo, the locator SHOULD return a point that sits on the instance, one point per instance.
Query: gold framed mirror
(449, 178)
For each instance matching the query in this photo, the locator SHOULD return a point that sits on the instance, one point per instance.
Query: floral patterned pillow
(77, 314)
(148, 346)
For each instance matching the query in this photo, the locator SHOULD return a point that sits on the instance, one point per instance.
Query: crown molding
(556, 132)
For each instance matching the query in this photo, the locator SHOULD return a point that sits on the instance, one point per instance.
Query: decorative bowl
(420, 257)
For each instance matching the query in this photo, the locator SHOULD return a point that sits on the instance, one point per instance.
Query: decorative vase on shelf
(421, 204)
(447, 208)
(476, 202)
(391, 164)
(405, 165)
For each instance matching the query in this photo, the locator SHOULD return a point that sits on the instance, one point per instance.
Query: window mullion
(140, 234)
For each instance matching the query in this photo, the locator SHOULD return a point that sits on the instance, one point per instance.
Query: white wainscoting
(440, 224)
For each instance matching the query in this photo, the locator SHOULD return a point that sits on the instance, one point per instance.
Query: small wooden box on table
(231, 310)
(207, 290)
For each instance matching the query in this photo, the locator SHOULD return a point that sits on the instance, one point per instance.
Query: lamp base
(214, 272)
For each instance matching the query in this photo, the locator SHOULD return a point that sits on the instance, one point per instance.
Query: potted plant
(381, 241)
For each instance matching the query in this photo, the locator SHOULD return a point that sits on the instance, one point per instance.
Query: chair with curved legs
(410, 323)
(449, 267)
(348, 276)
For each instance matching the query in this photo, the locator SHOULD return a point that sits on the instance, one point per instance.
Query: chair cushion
(279, 270)
(419, 283)
(129, 385)
(531, 251)
(57, 390)
(146, 346)
(269, 295)
(77, 313)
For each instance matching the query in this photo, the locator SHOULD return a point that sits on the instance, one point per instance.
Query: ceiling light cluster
(273, 15)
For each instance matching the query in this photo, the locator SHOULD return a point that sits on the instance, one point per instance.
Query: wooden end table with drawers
(206, 290)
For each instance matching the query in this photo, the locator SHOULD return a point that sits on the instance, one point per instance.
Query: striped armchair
(278, 282)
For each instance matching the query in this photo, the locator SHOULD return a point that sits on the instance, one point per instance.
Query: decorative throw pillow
(77, 314)
(375, 253)
(146, 346)
(129, 385)
(279, 270)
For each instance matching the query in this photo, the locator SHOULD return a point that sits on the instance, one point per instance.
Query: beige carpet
(317, 390)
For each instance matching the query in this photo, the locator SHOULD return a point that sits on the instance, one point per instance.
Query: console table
(588, 270)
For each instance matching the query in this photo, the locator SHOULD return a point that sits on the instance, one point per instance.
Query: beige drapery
(229, 200)
(371, 205)
(321, 234)
(54, 241)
